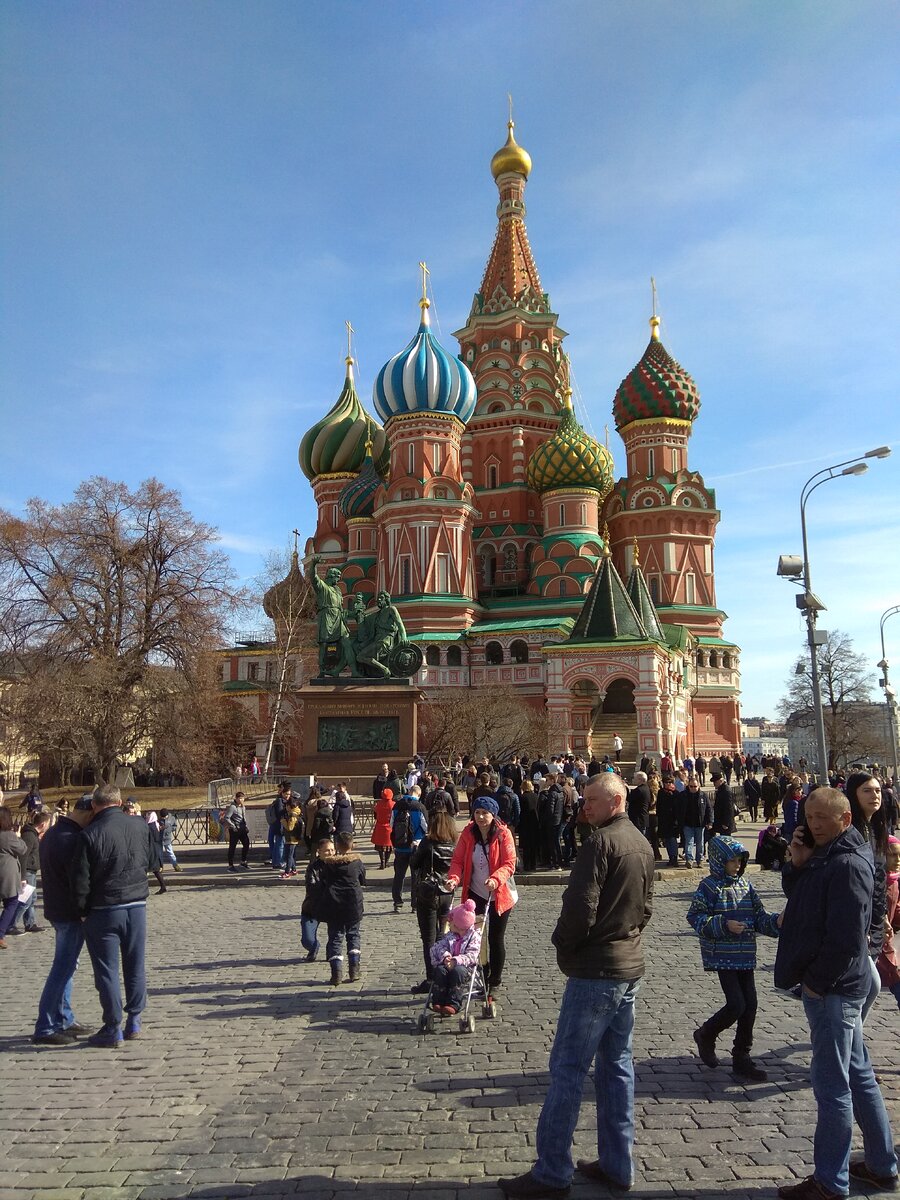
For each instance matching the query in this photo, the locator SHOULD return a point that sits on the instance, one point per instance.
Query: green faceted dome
(337, 443)
(570, 459)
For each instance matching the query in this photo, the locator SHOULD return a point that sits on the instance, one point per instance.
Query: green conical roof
(643, 603)
(608, 614)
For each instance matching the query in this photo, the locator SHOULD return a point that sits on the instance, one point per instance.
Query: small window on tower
(454, 656)
(651, 462)
(562, 514)
(436, 457)
(690, 589)
(493, 476)
(405, 575)
(410, 459)
(653, 585)
(440, 493)
(334, 516)
(433, 656)
(442, 574)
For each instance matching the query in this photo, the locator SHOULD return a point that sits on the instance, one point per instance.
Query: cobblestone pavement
(255, 1078)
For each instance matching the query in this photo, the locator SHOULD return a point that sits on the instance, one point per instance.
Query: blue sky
(196, 196)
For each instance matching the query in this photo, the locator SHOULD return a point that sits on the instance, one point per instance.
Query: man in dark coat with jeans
(598, 946)
(109, 880)
(824, 949)
(56, 1024)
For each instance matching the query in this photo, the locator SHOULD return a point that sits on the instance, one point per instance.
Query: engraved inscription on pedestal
(361, 734)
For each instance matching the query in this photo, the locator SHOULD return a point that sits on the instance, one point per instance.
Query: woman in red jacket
(483, 862)
(381, 834)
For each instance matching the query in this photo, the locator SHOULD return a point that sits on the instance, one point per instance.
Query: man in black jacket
(32, 833)
(824, 948)
(598, 946)
(109, 879)
(550, 807)
(639, 801)
(56, 1024)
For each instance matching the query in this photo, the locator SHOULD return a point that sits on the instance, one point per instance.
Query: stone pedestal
(351, 728)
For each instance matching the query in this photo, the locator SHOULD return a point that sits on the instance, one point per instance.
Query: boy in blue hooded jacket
(727, 914)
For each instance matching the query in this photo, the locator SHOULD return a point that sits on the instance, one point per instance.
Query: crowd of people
(835, 846)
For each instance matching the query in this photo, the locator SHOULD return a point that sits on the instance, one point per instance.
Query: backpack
(322, 827)
(401, 830)
(270, 813)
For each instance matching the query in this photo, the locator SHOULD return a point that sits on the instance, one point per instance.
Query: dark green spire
(608, 614)
(643, 603)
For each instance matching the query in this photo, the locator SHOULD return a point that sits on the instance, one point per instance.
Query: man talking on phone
(824, 948)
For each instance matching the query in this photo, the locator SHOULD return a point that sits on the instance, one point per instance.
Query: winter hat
(537, 777)
(487, 802)
(387, 793)
(463, 916)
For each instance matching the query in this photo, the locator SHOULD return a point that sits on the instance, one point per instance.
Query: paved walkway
(254, 1078)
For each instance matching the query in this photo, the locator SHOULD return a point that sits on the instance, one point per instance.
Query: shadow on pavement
(322, 1187)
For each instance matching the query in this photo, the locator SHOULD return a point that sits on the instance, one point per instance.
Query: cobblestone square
(255, 1078)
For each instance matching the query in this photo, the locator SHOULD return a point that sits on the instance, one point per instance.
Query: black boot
(742, 1064)
(337, 972)
(354, 968)
(706, 1047)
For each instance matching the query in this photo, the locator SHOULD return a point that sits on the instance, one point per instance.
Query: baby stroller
(476, 991)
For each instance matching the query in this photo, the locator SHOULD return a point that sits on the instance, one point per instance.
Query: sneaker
(14, 932)
(53, 1039)
(863, 1174)
(808, 1189)
(706, 1048)
(231, 868)
(76, 1030)
(35, 928)
(743, 1065)
(177, 867)
(527, 1186)
(285, 875)
(593, 1170)
(312, 956)
(106, 1039)
(422, 988)
(132, 1029)
(246, 866)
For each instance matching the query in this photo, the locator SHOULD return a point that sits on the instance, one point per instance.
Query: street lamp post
(808, 602)
(889, 691)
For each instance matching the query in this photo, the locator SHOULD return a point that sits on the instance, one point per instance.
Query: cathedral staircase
(606, 725)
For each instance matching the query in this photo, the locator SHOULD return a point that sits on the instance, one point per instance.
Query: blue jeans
(276, 845)
(55, 1005)
(168, 853)
(844, 1086)
(693, 843)
(309, 934)
(290, 856)
(671, 845)
(596, 1023)
(334, 947)
(26, 911)
(112, 933)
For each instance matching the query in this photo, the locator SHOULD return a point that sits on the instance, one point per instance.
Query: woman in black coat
(529, 831)
(668, 826)
(430, 863)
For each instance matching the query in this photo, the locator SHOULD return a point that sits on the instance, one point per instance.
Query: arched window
(713, 658)
(562, 514)
(510, 558)
(701, 658)
(454, 656)
(518, 651)
(653, 584)
(493, 475)
(493, 654)
(433, 656)
(726, 661)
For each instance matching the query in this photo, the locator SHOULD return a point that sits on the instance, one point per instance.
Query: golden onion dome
(511, 157)
(571, 458)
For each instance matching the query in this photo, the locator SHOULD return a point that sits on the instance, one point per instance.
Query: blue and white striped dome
(424, 378)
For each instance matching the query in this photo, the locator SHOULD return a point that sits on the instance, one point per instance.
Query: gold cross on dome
(296, 533)
(350, 333)
(425, 274)
(653, 294)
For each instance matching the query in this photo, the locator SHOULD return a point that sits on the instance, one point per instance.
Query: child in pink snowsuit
(454, 956)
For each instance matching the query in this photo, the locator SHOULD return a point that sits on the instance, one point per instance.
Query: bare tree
(495, 721)
(110, 603)
(844, 682)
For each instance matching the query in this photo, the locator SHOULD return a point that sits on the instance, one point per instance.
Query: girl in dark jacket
(343, 879)
(430, 863)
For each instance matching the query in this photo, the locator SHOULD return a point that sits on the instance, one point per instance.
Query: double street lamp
(889, 694)
(797, 569)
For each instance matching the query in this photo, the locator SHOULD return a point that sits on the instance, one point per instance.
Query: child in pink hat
(454, 956)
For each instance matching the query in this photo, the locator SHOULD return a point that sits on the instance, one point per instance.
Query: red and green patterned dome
(657, 388)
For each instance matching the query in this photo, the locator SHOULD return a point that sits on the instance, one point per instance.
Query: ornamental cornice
(660, 422)
(579, 490)
(328, 476)
(419, 414)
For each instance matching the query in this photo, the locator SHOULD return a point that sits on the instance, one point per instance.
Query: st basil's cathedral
(480, 503)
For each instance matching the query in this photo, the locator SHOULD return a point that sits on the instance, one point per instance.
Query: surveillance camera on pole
(790, 566)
